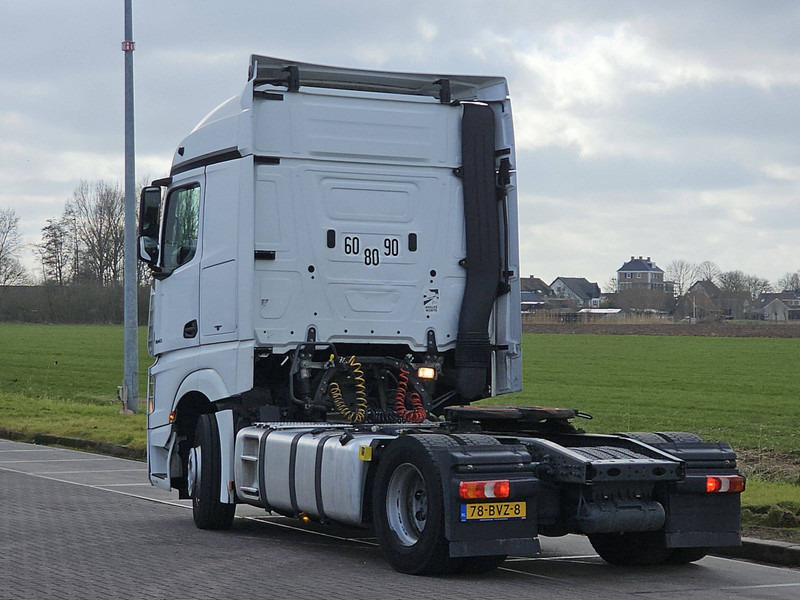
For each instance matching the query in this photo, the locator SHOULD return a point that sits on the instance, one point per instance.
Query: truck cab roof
(227, 130)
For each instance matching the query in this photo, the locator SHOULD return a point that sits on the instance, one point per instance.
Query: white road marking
(763, 585)
(730, 588)
(94, 487)
(738, 560)
(36, 450)
(142, 470)
(533, 575)
(526, 558)
(105, 485)
(268, 520)
(172, 503)
(8, 462)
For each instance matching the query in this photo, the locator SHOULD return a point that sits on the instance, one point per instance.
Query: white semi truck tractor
(336, 279)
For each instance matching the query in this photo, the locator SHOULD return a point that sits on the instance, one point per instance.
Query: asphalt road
(78, 525)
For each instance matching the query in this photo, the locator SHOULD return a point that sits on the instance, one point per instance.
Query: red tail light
(471, 490)
(722, 484)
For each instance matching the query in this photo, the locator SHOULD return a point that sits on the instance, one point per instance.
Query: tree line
(83, 246)
(684, 274)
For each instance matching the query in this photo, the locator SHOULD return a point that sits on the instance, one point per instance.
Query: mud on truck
(336, 279)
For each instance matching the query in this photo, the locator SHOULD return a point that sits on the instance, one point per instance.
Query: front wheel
(203, 477)
(408, 508)
(633, 549)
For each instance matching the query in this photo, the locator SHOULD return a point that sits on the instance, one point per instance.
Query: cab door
(178, 285)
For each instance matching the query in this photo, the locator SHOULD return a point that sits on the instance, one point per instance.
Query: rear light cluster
(472, 490)
(720, 484)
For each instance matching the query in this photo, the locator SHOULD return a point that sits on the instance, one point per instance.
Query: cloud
(667, 129)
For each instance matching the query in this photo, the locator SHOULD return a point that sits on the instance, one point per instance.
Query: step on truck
(336, 280)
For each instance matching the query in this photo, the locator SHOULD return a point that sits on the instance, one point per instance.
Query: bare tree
(789, 282)
(733, 281)
(54, 252)
(682, 273)
(757, 286)
(611, 286)
(12, 272)
(708, 270)
(98, 212)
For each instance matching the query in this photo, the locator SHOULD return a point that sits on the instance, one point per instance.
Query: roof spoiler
(445, 88)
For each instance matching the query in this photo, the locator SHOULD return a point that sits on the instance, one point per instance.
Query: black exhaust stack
(484, 263)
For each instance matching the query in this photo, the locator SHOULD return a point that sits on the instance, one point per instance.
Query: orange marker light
(172, 417)
(426, 373)
(472, 490)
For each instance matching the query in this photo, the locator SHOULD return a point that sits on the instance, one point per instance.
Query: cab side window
(181, 227)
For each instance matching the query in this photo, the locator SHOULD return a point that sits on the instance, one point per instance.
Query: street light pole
(130, 381)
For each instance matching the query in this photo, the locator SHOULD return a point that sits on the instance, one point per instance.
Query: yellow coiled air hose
(357, 415)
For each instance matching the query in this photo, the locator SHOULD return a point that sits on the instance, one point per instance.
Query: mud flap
(475, 460)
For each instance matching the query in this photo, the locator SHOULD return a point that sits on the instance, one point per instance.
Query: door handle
(190, 329)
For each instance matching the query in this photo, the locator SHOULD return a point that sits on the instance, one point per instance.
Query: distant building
(643, 273)
(705, 300)
(782, 306)
(534, 284)
(584, 292)
(534, 293)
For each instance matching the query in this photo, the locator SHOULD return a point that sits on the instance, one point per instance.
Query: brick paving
(60, 540)
(78, 526)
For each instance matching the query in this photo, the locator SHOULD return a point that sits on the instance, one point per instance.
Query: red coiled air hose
(417, 413)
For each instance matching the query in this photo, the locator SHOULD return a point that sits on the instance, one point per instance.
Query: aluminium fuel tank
(305, 469)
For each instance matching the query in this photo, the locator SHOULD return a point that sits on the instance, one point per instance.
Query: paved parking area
(78, 525)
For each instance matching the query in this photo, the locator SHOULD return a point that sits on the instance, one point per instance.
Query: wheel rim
(193, 476)
(407, 504)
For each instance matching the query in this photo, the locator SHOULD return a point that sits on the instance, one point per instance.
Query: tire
(408, 508)
(477, 565)
(634, 549)
(204, 478)
(663, 437)
(651, 439)
(680, 437)
(684, 556)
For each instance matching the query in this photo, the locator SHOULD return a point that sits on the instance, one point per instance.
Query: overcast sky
(664, 129)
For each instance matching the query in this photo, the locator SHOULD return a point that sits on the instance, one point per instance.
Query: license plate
(493, 511)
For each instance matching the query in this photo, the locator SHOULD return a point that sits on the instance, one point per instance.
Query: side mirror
(149, 225)
(148, 250)
(150, 211)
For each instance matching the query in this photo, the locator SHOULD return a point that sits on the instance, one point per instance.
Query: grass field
(740, 390)
(62, 380)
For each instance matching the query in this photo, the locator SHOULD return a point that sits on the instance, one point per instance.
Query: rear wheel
(408, 507)
(203, 478)
(634, 549)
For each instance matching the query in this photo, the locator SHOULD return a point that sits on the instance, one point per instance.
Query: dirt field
(718, 329)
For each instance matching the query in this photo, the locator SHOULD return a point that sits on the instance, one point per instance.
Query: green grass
(78, 420)
(62, 380)
(69, 362)
(760, 492)
(739, 390)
